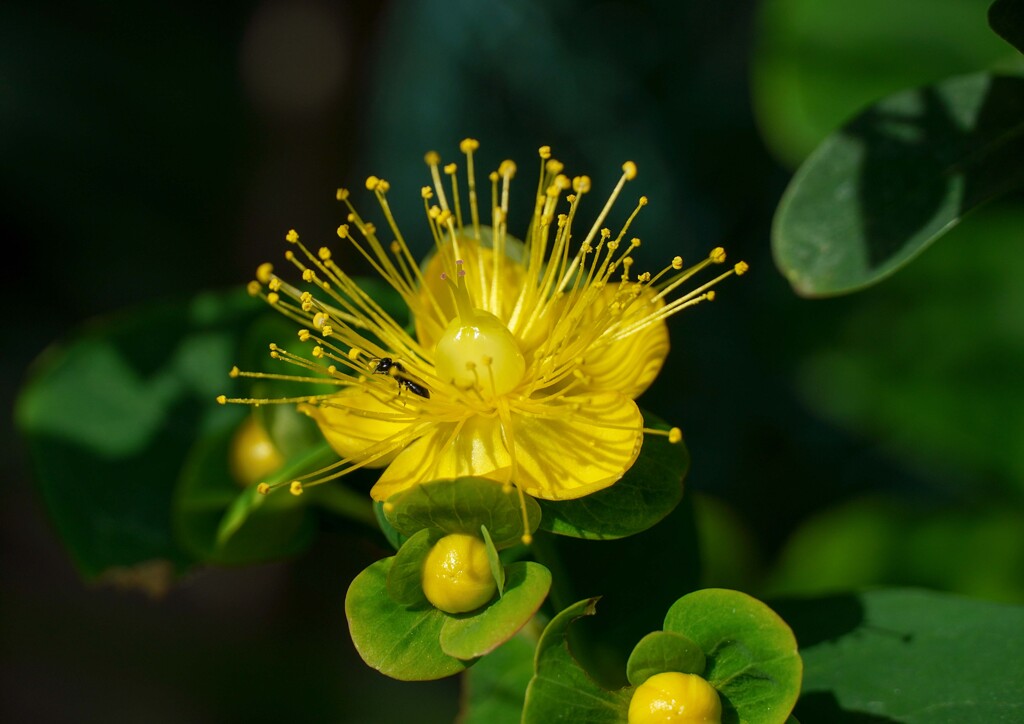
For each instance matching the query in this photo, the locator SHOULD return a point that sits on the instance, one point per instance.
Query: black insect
(388, 366)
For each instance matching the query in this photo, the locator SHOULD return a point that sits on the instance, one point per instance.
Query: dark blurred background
(152, 151)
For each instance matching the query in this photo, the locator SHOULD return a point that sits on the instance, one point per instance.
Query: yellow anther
(635, 242)
(289, 255)
(741, 268)
(717, 255)
(369, 229)
(383, 186)
(274, 285)
(643, 201)
(581, 184)
(468, 145)
(273, 298)
(253, 287)
(304, 335)
(562, 181)
(264, 272)
(319, 320)
(295, 488)
(341, 194)
(395, 247)
(327, 330)
(427, 193)
(292, 236)
(324, 253)
(527, 539)
(545, 152)
(493, 176)
(710, 295)
(234, 371)
(272, 347)
(677, 262)
(354, 353)
(308, 275)
(432, 158)
(262, 488)
(222, 399)
(675, 435)
(318, 351)
(343, 231)
(629, 169)
(450, 169)
(434, 211)
(371, 182)
(507, 168)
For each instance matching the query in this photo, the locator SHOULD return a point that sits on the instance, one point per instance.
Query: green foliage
(1007, 18)
(905, 655)
(897, 177)
(661, 651)
(648, 492)
(494, 688)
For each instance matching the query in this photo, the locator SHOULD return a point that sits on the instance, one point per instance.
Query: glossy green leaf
(752, 657)
(648, 492)
(900, 175)
(110, 416)
(1007, 18)
(399, 641)
(560, 689)
(908, 655)
(494, 688)
(818, 62)
(468, 636)
(261, 527)
(405, 578)
(661, 651)
(462, 506)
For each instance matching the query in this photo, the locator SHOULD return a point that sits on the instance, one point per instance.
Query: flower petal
(589, 446)
(451, 450)
(355, 420)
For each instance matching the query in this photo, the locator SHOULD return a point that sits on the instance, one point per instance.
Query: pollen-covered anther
(324, 253)
(320, 319)
(642, 201)
(581, 184)
(468, 145)
(273, 298)
(371, 183)
(629, 170)
(234, 371)
(292, 237)
(327, 330)
(222, 399)
(507, 169)
(717, 255)
(710, 295)
(304, 335)
(341, 194)
(274, 285)
(295, 488)
(675, 435)
(545, 152)
(253, 288)
(741, 268)
(343, 231)
(354, 354)
(677, 262)
(264, 272)
(450, 169)
(308, 276)
(262, 488)
(318, 352)
(383, 186)
(432, 158)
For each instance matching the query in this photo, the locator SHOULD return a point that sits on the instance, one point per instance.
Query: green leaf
(494, 561)
(560, 689)
(818, 62)
(664, 651)
(261, 527)
(110, 416)
(752, 657)
(906, 655)
(648, 492)
(494, 689)
(399, 641)
(462, 506)
(405, 578)
(1007, 18)
(900, 175)
(393, 537)
(468, 636)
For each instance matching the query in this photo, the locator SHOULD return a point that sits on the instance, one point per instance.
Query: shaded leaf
(911, 656)
(405, 578)
(469, 636)
(494, 689)
(896, 178)
(494, 561)
(1007, 18)
(648, 492)
(110, 416)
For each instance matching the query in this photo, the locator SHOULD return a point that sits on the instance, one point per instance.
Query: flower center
(478, 351)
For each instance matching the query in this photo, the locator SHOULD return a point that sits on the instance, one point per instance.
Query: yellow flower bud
(677, 698)
(457, 575)
(253, 456)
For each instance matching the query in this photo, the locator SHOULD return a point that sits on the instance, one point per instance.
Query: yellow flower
(524, 359)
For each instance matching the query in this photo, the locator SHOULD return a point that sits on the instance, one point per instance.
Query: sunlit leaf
(661, 651)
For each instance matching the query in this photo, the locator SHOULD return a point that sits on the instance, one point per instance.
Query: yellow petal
(450, 450)
(355, 420)
(629, 365)
(586, 449)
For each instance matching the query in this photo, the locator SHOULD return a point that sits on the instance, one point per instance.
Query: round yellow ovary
(677, 698)
(480, 352)
(457, 575)
(253, 455)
